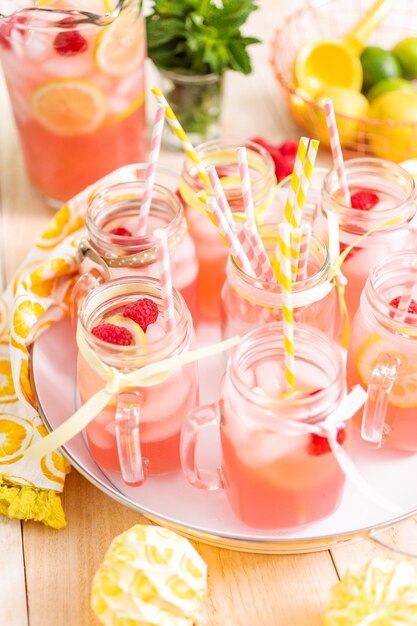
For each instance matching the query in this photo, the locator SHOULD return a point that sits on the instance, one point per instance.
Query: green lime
(378, 64)
(390, 84)
(406, 52)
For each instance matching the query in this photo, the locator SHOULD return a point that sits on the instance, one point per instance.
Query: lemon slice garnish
(120, 45)
(135, 330)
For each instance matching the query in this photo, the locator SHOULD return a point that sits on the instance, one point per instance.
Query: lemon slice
(69, 107)
(119, 45)
(137, 333)
(404, 391)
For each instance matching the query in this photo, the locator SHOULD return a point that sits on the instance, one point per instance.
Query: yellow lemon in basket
(396, 140)
(345, 102)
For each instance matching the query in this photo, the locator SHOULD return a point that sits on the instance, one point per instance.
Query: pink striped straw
(162, 254)
(304, 250)
(407, 295)
(220, 195)
(242, 159)
(336, 149)
(248, 250)
(230, 236)
(150, 173)
(260, 252)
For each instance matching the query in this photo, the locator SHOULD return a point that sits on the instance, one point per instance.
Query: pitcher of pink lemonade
(75, 74)
(113, 241)
(380, 192)
(139, 432)
(276, 472)
(211, 251)
(383, 355)
(248, 302)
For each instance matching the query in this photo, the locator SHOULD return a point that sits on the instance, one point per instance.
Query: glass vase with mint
(193, 43)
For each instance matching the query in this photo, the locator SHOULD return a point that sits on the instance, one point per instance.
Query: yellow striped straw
(296, 236)
(284, 236)
(295, 178)
(182, 136)
(305, 179)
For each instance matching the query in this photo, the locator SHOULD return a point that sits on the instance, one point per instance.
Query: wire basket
(325, 19)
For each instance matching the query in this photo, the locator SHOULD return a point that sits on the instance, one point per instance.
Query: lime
(406, 52)
(345, 102)
(378, 64)
(390, 84)
(395, 142)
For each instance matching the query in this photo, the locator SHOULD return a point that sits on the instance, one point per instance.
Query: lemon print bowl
(386, 127)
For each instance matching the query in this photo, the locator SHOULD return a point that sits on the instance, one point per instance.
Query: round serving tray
(203, 515)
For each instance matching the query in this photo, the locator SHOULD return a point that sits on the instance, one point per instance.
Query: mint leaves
(200, 36)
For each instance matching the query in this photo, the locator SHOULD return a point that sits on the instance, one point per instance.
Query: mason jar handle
(379, 389)
(86, 283)
(197, 420)
(127, 419)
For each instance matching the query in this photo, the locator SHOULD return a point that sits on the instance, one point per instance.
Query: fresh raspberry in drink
(289, 148)
(113, 334)
(121, 231)
(320, 445)
(364, 200)
(283, 156)
(69, 43)
(143, 312)
(412, 308)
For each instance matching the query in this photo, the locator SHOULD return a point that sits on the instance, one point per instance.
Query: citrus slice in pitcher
(404, 390)
(69, 107)
(120, 45)
(134, 328)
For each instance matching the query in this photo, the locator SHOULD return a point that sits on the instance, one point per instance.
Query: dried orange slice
(69, 107)
(404, 391)
(120, 45)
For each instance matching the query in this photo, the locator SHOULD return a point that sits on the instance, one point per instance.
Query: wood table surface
(45, 575)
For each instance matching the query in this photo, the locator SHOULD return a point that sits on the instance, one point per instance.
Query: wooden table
(45, 575)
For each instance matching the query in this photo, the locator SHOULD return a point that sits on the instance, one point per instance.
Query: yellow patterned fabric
(150, 576)
(37, 297)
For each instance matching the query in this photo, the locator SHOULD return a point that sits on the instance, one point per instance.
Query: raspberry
(113, 334)
(412, 308)
(289, 148)
(320, 445)
(121, 232)
(283, 156)
(69, 43)
(283, 165)
(143, 312)
(364, 200)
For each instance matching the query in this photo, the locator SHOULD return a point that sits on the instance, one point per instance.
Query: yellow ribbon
(116, 381)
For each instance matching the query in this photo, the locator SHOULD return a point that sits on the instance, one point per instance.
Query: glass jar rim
(188, 78)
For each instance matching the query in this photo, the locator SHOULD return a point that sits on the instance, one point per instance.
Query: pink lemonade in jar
(77, 91)
(381, 192)
(277, 474)
(112, 223)
(120, 305)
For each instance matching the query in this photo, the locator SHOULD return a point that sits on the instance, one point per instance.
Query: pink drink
(248, 302)
(162, 405)
(396, 194)
(117, 207)
(275, 473)
(77, 92)
(383, 357)
(211, 251)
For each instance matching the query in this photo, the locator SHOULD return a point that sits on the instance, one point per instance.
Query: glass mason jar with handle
(383, 356)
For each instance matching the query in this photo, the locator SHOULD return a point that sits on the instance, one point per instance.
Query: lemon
(388, 141)
(406, 52)
(136, 331)
(390, 84)
(346, 102)
(69, 107)
(120, 45)
(378, 64)
(404, 391)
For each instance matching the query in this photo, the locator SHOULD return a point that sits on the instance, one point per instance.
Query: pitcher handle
(198, 420)
(379, 389)
(127, 419)
(86, 283)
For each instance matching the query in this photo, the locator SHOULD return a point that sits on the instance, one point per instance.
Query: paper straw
(295, 178)
(336, 149)
(295, 239)
(305, 179)
(260, 252)
(249, 250)
(162, 253)
(181, 135)
(407, 294)
(287, 305)
(150, 173)
(248, 205)
(229, 235)
(304, 250)
(220, 195)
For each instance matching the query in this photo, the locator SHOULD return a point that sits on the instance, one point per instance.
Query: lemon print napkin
(37, 297)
